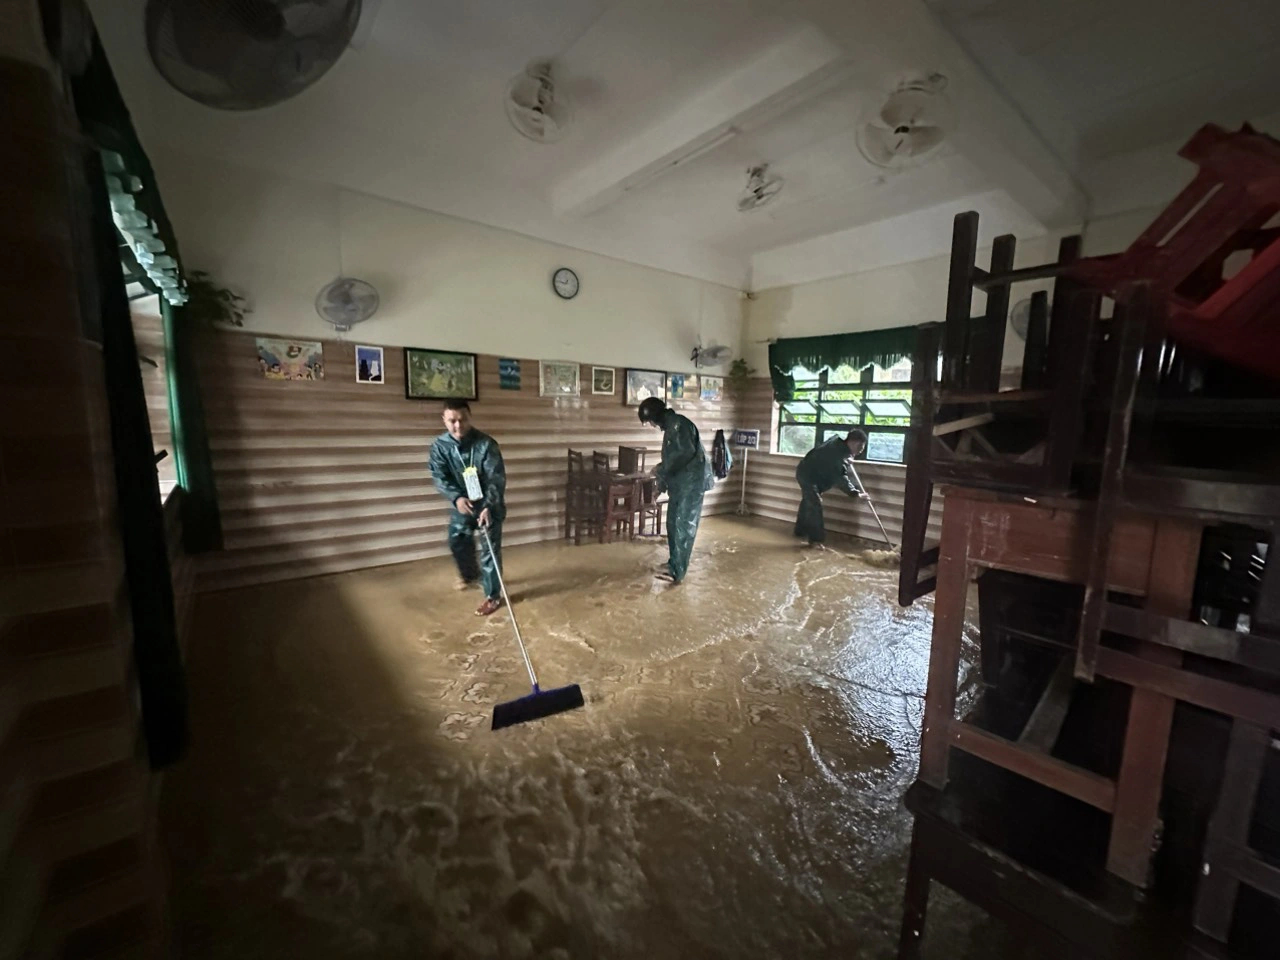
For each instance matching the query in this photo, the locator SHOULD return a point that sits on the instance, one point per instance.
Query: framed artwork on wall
(281, 359)
(558, 378)
(675, 386)
(509, 374)
(369, 366)
(602, 380)
(712, 389)
(439, 375)
(643, 384)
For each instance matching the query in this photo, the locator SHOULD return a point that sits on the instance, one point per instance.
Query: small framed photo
(602, 381)
(643, 384)
(675, 386)
(439, 375)
(369, 368)
(558, 378)
(712, 389)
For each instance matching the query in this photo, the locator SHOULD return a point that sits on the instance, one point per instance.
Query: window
(830, 403)
(148, 332)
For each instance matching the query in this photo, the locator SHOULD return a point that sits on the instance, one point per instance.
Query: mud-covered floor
(732, 788)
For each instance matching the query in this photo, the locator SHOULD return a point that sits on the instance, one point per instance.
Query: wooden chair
(583, 504)
(631, 459)
(618, 499)
(650, 509)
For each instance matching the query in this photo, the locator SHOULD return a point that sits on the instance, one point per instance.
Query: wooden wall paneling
(73, 785)
(323, 476)
(772, 490)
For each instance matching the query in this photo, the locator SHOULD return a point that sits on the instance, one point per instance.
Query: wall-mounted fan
(762, 187)
(909, 126)
(712, 356)
(246, 54)
(346, 301)
(536, 107)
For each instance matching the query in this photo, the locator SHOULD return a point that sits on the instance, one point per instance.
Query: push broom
(886, 558)
(540, 703)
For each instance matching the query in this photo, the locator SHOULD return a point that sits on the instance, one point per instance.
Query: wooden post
(915, 902)
(944, 653)
(1229, 829)
(1175, 557)
(1128, 363)
(986, 343)
(955, 342)
(918, 494)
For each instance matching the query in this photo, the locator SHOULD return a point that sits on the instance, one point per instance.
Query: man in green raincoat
(685, 474)
(468, 472)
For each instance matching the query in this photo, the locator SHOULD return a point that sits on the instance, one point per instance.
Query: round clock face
(565, 283)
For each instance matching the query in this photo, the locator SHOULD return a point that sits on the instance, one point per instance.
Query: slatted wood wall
(79, 865)
(772, 490)
(331, 475)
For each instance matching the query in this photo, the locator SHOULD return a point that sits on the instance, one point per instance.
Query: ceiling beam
(800, 65)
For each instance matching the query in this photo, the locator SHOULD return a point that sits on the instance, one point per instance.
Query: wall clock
(565, 283)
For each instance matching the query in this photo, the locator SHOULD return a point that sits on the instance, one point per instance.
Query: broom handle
(863, 491)
(528, 664)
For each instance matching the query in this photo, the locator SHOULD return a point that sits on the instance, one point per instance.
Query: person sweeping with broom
(468, 471)
(822, 468)
(685, 474)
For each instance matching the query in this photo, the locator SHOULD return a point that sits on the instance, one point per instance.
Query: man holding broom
(468, 471)
(822, 468)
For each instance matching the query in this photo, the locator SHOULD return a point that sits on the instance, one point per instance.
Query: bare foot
(461, 584)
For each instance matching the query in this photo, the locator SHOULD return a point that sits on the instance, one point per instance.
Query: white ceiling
(1102, 77)
(415, 114)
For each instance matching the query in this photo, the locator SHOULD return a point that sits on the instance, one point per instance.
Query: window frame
(864, 385)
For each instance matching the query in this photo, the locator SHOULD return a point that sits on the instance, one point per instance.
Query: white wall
(901, 295)
(445, 283)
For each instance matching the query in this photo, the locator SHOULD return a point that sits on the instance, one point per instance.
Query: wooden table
(1151, 557)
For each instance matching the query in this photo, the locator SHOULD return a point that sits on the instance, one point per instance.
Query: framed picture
(509, 374)
(369, 368)
(712, 388)
(602, 380)
(643, 384)
(682, 386)
(439, 375)
(558, 378)
(280, 359)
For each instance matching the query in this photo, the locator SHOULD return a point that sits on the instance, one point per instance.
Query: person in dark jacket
(822, 468)
(685, 474)
(468, 471)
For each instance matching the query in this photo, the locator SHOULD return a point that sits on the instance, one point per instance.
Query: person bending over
(822, 468)
(468, 471)
(685, 474)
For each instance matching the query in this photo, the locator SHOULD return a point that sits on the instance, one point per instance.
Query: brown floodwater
(731, 789)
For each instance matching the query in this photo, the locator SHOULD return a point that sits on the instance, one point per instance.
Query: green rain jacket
(684, 465)
(449, 457)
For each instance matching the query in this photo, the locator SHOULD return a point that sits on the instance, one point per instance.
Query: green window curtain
(881, 347)
(201, 519)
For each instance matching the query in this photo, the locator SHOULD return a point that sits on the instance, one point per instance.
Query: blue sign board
(747, 438)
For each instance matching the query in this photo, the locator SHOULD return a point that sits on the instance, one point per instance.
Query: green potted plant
(211, 304)
(739, 379)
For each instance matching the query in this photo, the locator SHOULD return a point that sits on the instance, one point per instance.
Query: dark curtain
(157, 658)
(881, 347)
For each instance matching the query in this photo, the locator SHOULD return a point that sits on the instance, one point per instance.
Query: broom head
(536, 705)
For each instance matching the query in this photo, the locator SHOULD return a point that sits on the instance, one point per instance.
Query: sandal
(666, 577)
(490, 605)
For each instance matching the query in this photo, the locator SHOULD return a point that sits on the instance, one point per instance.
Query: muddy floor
(731, 789)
